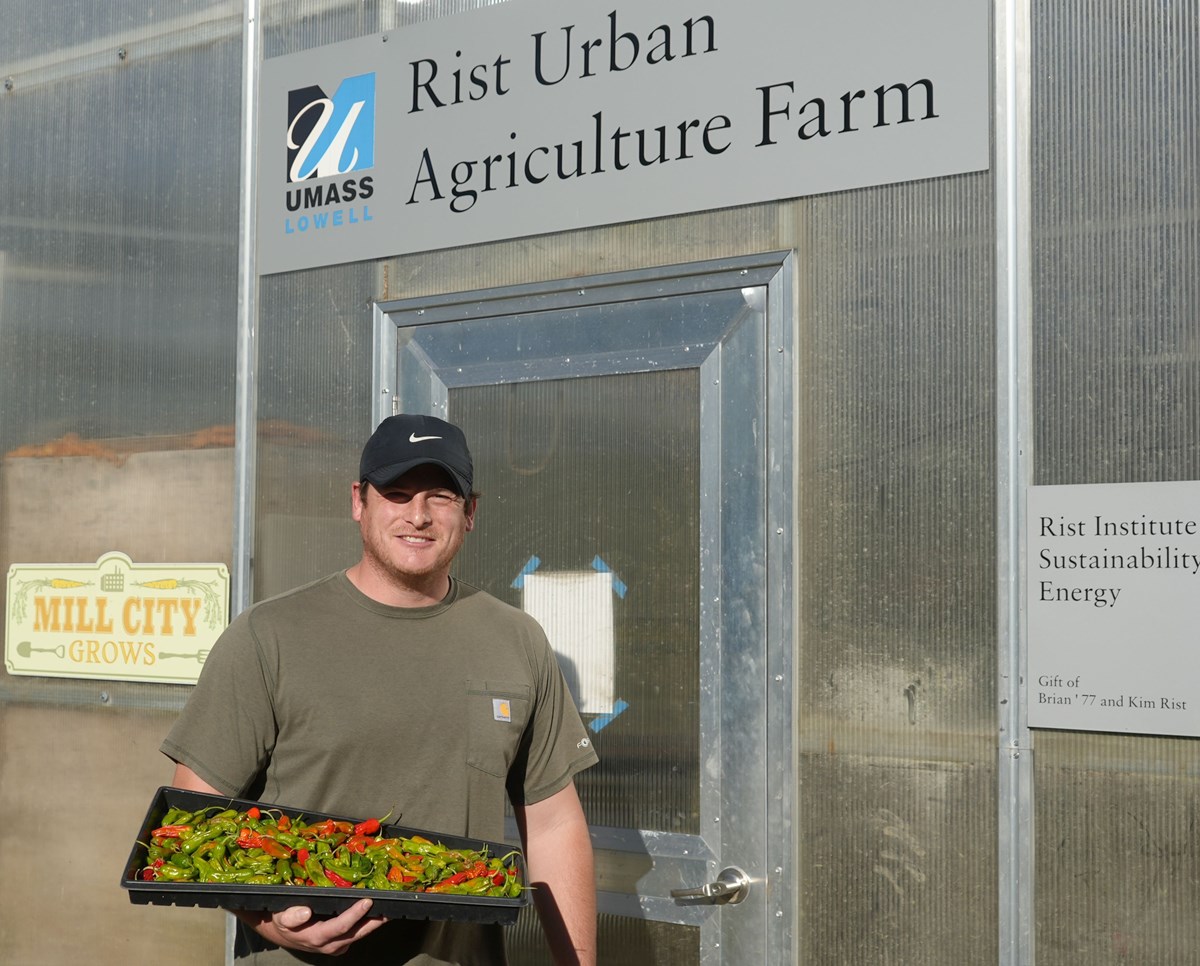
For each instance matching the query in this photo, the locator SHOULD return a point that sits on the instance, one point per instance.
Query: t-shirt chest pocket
(496, 717)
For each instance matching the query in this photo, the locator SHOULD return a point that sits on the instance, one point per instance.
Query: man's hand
(295, 928)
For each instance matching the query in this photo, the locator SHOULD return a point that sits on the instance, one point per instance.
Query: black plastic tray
(323, 900)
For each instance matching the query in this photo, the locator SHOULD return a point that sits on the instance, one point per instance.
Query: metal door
(632, 440)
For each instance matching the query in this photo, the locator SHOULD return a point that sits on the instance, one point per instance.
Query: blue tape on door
(602, 721)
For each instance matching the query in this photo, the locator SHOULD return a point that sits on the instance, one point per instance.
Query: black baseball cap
(402, 442)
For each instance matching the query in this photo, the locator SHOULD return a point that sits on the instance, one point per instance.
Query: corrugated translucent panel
(314, 379)
(1116, 181)
(1116, 201)
(118, 248)
(290, 26)
(606, 467)
(897, 647)
(42, 33)
(623, 942)
(118, 319)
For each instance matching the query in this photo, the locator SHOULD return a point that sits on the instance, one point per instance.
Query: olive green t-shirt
(324, 700)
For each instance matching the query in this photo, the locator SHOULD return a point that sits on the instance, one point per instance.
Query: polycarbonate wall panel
(897, 645)
(290, 26)
(314, 379)
(1116, 182)
(37, 34)
(1116, 371)
(119, 134)
(118, 247)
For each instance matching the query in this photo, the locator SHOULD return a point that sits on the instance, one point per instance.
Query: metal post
(247, 322)
(245, 415)
(1013, 404)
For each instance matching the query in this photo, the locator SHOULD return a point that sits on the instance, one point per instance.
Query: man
(395, 689)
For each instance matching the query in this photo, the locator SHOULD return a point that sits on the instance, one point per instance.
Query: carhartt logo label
(501, 710)
(414, 438)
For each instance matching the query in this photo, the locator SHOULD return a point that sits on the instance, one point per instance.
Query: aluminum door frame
(675, 858)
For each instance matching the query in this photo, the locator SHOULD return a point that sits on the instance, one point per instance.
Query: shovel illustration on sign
(25, 649)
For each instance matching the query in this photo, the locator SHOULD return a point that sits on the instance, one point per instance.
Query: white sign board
(114, 619)
(575, 609)
(538, 116)
(1113, 607)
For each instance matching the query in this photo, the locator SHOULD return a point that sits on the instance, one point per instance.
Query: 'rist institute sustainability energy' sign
(1113, 607)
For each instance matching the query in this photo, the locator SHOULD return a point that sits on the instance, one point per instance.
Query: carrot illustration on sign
(55, 583)
(212, 601)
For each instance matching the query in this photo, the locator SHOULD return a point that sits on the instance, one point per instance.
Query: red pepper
(369, 827)
(276, 850)
(337, 880)
(302, 856)
(357, 843)
(170, 831)
(249, 839)
(498, 879)
(253, 812)
(148, 875)
(328, 827)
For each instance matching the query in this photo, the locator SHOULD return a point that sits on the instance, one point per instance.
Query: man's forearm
(565, 896)
(562, 872)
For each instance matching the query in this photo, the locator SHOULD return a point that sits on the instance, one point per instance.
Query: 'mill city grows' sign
(114, 620)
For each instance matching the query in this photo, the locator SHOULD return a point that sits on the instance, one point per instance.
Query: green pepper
(379, 873)
(423, 848)
(291, 841)
(175, 873)
(344, 871)
(241, 875)
(199, 838)
(315, 872)
(360, 863)
(216, 850)
(471, 887)
(204, 871)
(242, 859)
(174, 815)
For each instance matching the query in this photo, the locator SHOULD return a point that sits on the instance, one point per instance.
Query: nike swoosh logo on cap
(414, 438)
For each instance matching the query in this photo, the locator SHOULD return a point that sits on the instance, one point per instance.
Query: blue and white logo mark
(329, 136)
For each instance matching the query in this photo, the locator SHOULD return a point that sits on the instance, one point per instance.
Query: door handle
(732, 885)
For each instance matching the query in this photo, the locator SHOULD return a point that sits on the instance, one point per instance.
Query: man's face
(413, 528)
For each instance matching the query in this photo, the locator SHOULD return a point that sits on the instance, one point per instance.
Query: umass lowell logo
(328, 137)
